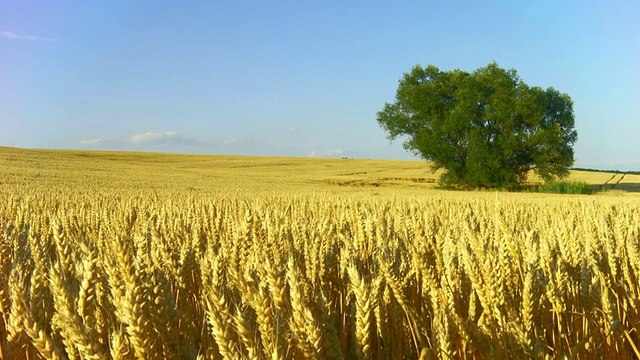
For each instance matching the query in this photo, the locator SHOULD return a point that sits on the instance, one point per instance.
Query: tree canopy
(486, 128)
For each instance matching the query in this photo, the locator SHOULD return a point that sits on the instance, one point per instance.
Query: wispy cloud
(230, 141)
(177, 141)
(334, 152)
(94, 142)
(153, 137)
(148, 140)
(14, 36)
(165, 139)
(328, 153)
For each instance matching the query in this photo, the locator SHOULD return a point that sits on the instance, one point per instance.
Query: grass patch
(613, 192)
(566, 187)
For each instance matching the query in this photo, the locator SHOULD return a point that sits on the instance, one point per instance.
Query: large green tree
(486, 128)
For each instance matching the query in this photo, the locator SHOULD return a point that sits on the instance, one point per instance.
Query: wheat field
(157, 256)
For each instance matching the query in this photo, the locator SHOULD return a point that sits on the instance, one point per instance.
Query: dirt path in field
(612, 182)
(619, 180)
(604, 186)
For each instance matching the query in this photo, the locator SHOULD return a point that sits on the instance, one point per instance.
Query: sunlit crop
(163, 265)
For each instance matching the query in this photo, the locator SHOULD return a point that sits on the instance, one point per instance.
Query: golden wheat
(95, 271)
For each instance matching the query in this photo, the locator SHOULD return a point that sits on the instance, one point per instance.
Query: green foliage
(566, 187)
(487, 128)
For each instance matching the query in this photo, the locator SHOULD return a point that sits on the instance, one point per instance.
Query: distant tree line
(608, 171)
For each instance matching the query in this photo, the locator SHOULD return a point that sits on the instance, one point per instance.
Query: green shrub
(566, 187)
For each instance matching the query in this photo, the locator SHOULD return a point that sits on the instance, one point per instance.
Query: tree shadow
(628, 187)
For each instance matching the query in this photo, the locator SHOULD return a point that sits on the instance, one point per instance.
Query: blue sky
(297, 78)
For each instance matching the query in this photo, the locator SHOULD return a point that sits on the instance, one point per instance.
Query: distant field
(110, 255)
(210, 174)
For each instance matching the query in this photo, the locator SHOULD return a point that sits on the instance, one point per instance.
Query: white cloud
(14, 36)
(154, 138)
(329, 153)
(334, 152)
(166, 139)
(230, 141)
(94, 142)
